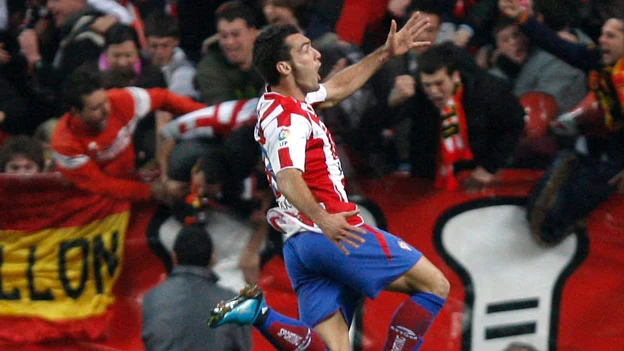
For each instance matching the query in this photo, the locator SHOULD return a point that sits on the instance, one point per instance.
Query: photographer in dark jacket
(462, 119)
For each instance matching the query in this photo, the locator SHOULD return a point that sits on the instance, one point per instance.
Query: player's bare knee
(443, 287)
(434, 282)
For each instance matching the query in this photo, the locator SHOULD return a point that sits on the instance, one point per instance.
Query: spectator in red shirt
(93, 145)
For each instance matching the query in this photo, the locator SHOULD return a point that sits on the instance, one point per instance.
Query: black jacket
(79, 44)
(495, 121)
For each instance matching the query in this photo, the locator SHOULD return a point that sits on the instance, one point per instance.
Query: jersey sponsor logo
(284, 134)
(283, 137)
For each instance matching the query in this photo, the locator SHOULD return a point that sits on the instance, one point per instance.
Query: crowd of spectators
(93, 89)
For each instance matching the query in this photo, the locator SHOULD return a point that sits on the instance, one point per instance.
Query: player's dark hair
(270, 48)
(193, 246)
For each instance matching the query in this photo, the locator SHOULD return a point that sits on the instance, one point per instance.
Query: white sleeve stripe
(224, 111)
(142, 101)
(185, 124)
(271, 116)
(248, 111)
(192, 116)
(264, 106)
(70, 162)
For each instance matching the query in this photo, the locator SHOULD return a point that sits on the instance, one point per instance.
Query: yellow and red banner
(74, 268)
(61, 253)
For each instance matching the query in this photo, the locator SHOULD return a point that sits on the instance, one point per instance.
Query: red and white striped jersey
(293, 136)
(201, 123)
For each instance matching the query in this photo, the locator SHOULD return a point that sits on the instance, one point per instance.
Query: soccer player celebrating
(332, 257)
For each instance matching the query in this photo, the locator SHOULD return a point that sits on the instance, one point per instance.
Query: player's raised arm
(350, 79)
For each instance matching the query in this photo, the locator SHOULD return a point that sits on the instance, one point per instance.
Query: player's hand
(510, 8)
(398, 43)
(404, 88)
(618, 181)
(249, 264)
(336, 228)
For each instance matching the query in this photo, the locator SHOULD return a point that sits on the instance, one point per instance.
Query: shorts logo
(283, 134)
(404, 245)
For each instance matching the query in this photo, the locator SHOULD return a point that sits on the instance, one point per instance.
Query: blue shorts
(326, 280)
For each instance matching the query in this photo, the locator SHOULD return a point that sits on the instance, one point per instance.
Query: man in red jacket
(93, 145)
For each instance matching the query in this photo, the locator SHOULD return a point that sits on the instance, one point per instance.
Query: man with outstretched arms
(314, 211)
